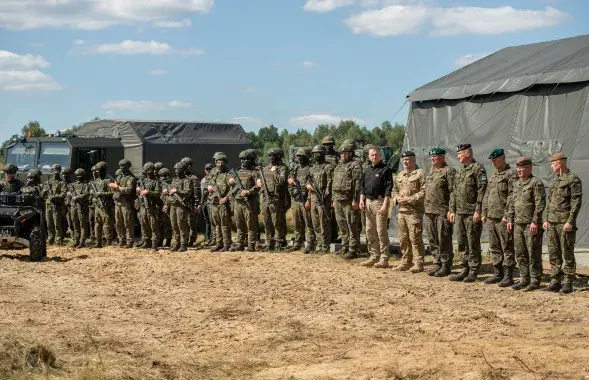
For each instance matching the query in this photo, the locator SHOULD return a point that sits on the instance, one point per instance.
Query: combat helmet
(56, 168)
(80, 172)
(347, 146)
(148, 166)
(158, 165)
(10, 169)
(220, 157)
(275, 152)
(328, 140)
(319, 149)
(125, 163)
(303, 151)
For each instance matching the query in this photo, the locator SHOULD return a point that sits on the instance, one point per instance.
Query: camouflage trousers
(321, 223)
(528, 251)
(193, 224)
(349, 226)
(439, 232)
(244, 217)
(79, 215)
(124, 222)
(500, 244)
(377, 236)
(180, 228)
(411, 237)
(54, 219)
(221, 219)
(303, 225)
(561, 245)
(67, 220)
(103, 223)
(274, 216)
(468, 234)
(207, 220)
(92, 221)
(165, 226)
(149, 221)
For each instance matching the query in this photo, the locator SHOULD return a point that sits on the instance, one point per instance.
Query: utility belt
(374, 198)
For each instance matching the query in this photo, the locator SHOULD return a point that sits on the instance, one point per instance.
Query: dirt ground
(129, 314)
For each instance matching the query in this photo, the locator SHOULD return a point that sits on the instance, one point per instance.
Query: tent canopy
(513, 69)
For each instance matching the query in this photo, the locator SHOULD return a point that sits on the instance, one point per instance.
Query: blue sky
(293, 63)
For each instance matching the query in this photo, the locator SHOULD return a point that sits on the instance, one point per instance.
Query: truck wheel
(37, 245)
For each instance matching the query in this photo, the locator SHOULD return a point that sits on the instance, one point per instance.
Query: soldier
(365, 163)
(54, 193)
(564, 203)
(438, 189)
(166, 224)
(303, 228)
(347, 176)
(332, 158)
(244, 193)
(465, 212)
(523, 219)
(178, 197)
(203, 207)
(220, 210)
(409, 194)
(124, 196)
(102, 197)
(68, 224)
(211, 197)
(157, 167)
(149, 192)
(194, 200)
(10, 184)
(92, 211)
(33, 184)
(319, 183)
(495, 203)
(273, 183)
(79, 194)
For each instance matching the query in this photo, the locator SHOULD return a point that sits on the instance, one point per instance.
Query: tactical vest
(343, 180)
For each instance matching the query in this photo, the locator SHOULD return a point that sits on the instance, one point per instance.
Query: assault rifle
(143, 197)
(317, 191)
(167, 186)
(97, 197)
(264, 184)
(300, 196)
(238, 185)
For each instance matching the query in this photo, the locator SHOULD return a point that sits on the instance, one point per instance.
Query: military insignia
(484, 177)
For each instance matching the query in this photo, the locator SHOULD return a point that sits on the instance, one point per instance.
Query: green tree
(34, 128)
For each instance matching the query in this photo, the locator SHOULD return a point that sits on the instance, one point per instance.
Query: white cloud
(131, 105)
(321, 6)
(247, 120)
(173, 24)
(395, 20)
(21, 73)
(313, 120)
(158, 72)
(94, 14)
(79, 42)
(129, 47)
(309, 64)
(467, 59)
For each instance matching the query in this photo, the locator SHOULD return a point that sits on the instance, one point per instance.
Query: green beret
(436, 151)
(496, 153)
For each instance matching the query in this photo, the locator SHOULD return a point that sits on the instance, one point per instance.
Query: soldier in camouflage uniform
(149, 191)
(244, 205)
(347, 176)
(164, 215)
(92, 210)
(438, 189)
(54, 193)
(124, 189)
(303, 228)
(524, 216)
(273, 183)
(332, 158)
(102, 197)
(194, 201)
(319, 183)
(79, 193)
(495, 204)
(204, 206)
(178, 197)
(220, 204)
(466, 205)
(10, 184)
(564, 202)
(33, 184)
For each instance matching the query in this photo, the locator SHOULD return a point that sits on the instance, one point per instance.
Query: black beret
(460, 147)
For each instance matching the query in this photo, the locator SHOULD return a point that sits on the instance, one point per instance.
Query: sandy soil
(129, 314)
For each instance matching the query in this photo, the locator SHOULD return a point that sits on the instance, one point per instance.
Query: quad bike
(22, 224)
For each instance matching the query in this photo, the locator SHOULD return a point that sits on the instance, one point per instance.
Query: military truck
(136, 140)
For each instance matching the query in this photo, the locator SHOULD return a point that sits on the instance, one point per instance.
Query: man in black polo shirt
(375, 196)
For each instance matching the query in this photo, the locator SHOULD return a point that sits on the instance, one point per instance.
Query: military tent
(532, 100)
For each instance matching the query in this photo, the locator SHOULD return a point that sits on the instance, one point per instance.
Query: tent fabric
(513, 69)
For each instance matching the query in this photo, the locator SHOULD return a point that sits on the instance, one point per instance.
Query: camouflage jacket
(564, 199)
(31, 189)
(412, 185)
(469, 189)
(127, 191)
(498, 194)
(439, 184)
(528, 201)
(332, 159)
(276, 181)
(54, 191)
(299, 174)
(184, 190)
(346, 181)
(196, 197)
(13, 186)
(79, 192)
(154, 188)
(100, 190)
(321, 176)
(248, 178)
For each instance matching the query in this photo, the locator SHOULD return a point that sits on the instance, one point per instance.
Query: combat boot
(81, 244)
(497, 275)
(122, 244)
(146, 244)
(554, 286)
(445, 270)
(370, 262)
(402, 267)
(383, 263)
(432, 272)
(175, 248)
(236, 248)
(295, 248)
(472, 276)
(98, 244)
(50, 242)
(308, 249)
(75, 243)
(108, 243)
(342, 251)
(350, 255)
(566, 288)
(225, 248)
(60, 243)
(154, 248)
(251, 248)
(417, 268)
(129, 245)
(461, 275)
(168, 243)
(216, 248)
(534, 285)
(522, 283)
(142, 244)
(182, 248)
(507, 279)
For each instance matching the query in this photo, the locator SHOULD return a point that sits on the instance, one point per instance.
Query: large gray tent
(531, 100)
(169, 141)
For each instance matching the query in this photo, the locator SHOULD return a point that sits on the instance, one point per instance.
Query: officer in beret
(466, 204)
(524, 217)
(499, 189)
(564, 203)
(439, 183)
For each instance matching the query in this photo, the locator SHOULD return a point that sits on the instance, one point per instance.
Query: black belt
(374, 198)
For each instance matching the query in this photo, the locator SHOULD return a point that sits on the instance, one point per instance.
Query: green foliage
(34, 128)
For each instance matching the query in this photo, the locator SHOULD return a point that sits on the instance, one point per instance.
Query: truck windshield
(52, 153)
(21, 155)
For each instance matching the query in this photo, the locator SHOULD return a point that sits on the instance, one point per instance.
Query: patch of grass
(395, 373)
(19, 357)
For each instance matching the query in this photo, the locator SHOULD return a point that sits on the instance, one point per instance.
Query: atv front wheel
(37, 244)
